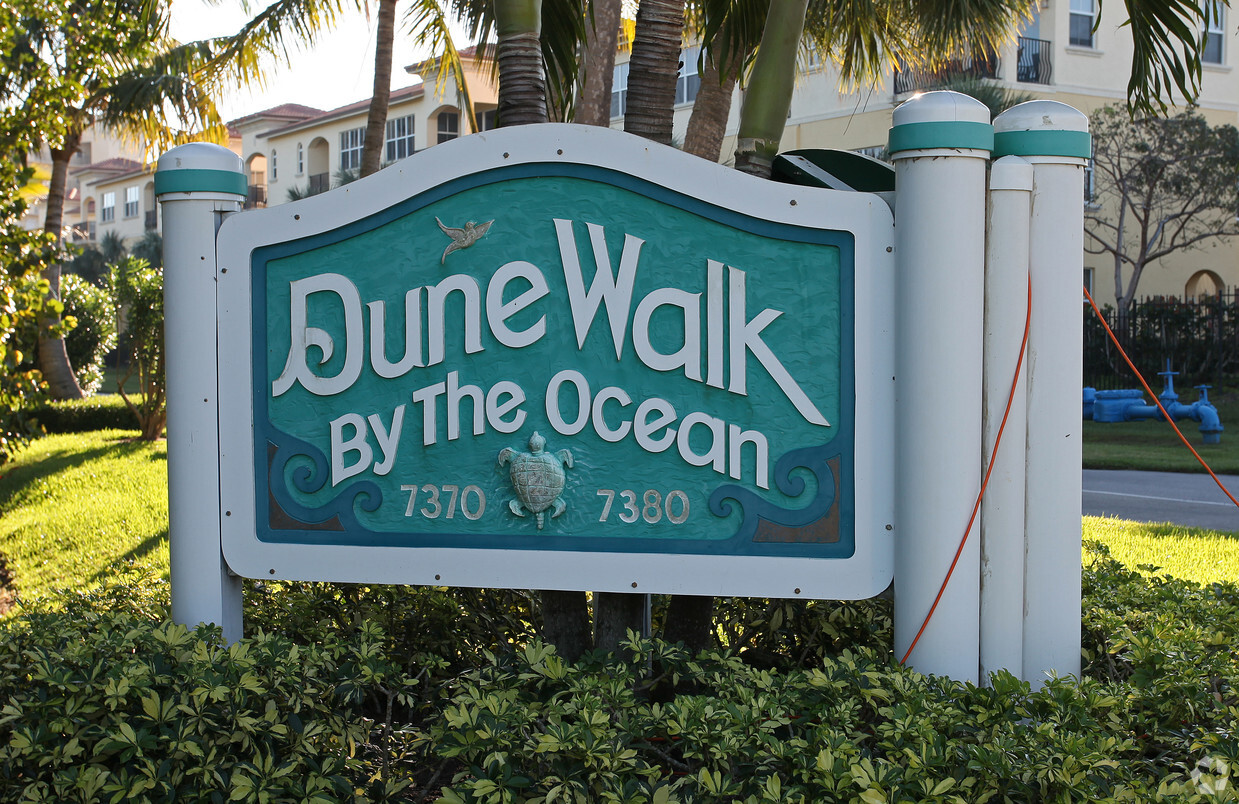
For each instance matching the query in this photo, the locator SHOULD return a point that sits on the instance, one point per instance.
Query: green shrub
(98, 412)
(105, 706)
(340, 694)
(95, 332)
(137, 290)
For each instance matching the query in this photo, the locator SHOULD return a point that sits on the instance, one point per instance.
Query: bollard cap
(1042, 128)
(941, 119)
(200, 167)
(1011, 173)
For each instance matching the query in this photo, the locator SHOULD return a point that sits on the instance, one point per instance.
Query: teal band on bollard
(1043, 143)
(949, 134)
(200, 181)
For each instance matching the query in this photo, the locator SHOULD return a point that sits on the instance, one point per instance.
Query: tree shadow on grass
(132, 556)
(14, 480)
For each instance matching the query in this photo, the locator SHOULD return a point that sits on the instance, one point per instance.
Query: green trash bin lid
(835, 170)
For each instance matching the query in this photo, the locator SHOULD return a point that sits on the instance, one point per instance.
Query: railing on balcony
(981, 65)
(256, 196)
(1032, 61)
(320, 183)
(82, 232)
(152, 220)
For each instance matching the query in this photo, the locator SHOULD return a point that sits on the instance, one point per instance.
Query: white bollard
(196, 183)
(1054, 138)
(940, 144)
(1002, 510)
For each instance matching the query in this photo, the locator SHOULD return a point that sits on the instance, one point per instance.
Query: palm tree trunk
(522, 83)
(708, 123)
(593, 105)
(614, 614)
(654, 69)
(763, 115)
(376, 122)
(53, 359)
(652, 73)
(522, 101)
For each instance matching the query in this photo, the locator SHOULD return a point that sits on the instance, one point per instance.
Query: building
(102, 153)
(1057, 56)
(291, 151)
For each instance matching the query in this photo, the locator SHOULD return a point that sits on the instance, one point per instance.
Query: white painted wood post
(1054, 138)
(196, 183)
(940, 143)
(1002, 510)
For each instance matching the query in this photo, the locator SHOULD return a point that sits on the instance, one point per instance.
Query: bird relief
(537, 478)
(462, 237)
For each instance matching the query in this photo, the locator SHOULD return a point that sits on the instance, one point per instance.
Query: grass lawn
(1192, 554)
(1153, 445)
(72, 506)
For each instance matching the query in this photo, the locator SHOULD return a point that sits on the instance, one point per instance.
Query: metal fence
(1199, 336)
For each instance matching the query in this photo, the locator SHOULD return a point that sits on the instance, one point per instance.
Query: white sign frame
(866, 216)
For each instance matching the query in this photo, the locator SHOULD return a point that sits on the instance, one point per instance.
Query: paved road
(1184, 499)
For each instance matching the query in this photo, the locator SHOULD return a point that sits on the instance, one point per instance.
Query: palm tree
(602, 29)
(522, 82)
(654, 69)
(376, 121)
(102, 64)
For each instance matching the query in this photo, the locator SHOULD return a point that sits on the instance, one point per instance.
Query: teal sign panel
(557, 357)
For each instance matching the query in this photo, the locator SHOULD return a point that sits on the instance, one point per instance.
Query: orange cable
(1157, 401)
(1015, 381)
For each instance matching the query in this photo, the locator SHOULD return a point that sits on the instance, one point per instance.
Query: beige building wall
(308, 155)
(825, 115)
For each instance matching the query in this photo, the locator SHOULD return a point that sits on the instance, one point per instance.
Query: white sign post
(940, 144)
(197, 184)
(1054, 138)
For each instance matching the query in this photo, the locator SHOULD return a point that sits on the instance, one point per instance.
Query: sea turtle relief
(537, 478)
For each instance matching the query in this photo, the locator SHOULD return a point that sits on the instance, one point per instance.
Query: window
(132, 201)
(689, 82)
(619, 90)
(488, 120)
(1212, 51)
(812, 59)
(108, 212)
(399, 138)
(874, 152)
(300, 159)
(351, 143)
(449, 126)
(1083, 14)
(272, 167)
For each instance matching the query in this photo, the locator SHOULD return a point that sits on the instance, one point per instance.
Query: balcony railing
(320, 183)
(1032, 61)
(82, 232)
(256, 196)
(981, 65)
(152, 220)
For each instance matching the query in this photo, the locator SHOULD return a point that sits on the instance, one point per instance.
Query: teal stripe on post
(952, 134)
(1043, 143)
(200, 181)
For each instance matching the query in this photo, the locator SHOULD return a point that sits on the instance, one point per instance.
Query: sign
(561, 357)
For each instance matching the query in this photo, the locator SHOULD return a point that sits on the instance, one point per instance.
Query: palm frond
(170, 87)
(1167, 46)
(429, 22)
(271, 32)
